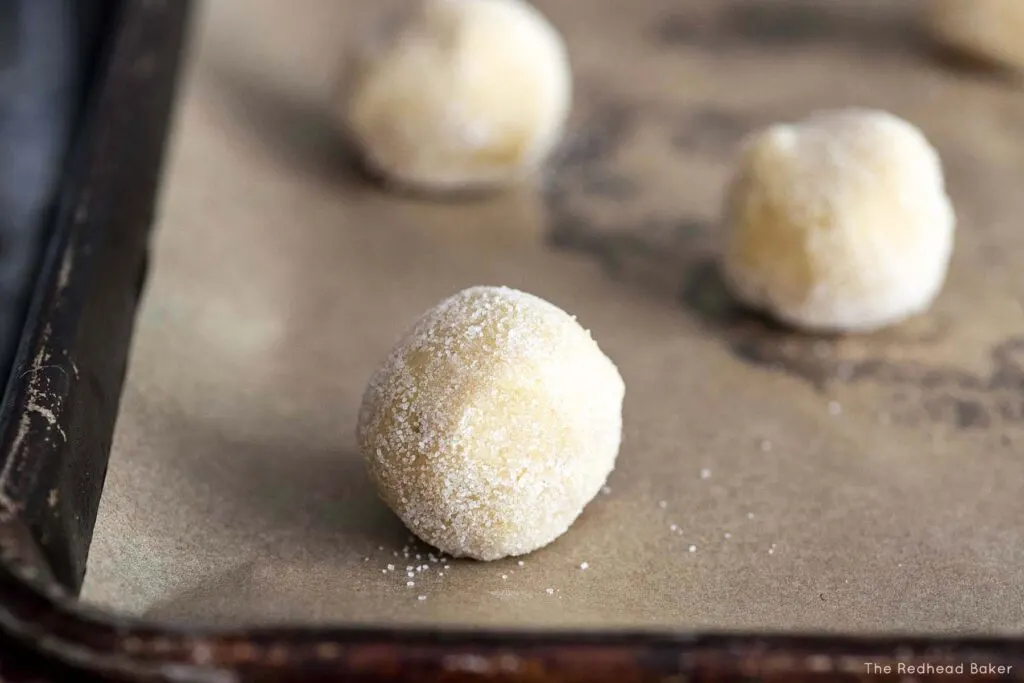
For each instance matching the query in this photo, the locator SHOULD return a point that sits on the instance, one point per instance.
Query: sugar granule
(422, 598)
(550, 591)
(834, 408)
(520, 563)
(705, 473)
(584, 565)
(693, 548)
(410, 584)
(662, 504)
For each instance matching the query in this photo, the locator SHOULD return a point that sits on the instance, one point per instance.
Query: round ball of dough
(838, 223)
(464, 94)
(991, 30)
(493, 422)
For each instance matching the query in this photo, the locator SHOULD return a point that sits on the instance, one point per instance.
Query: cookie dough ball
(464, 94)
(990, 30)
(838, 223)
(494, 421)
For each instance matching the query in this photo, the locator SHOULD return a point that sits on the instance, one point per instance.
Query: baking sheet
(856, 484)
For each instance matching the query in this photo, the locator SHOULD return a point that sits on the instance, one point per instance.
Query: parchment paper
(859, 484)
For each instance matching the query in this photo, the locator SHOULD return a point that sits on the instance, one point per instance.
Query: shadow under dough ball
(492, 423)
(988, 30)
(838, 223)
(460, 95)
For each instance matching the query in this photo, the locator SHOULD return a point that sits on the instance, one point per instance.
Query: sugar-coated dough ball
(493, 422)
(992, 30)
(838, 223)
(465, 93)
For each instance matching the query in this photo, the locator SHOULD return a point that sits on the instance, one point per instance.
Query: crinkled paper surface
(859, 484)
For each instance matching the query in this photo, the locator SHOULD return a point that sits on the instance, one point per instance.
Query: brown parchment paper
(859, 484)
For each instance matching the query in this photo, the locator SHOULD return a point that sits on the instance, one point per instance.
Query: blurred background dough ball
(493, 422)
(461, 94)
(990, 30)
(838, 223)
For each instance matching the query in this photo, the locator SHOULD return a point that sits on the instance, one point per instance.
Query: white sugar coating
(492, 423)
(460, 93)
(838, 223)
(992, 30)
